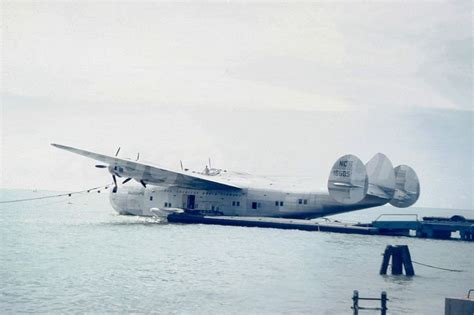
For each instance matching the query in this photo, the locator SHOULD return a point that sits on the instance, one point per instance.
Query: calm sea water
(76, 255)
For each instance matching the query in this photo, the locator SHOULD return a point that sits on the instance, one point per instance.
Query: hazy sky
(268, 88)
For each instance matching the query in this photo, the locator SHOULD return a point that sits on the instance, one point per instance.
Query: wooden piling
(386, 260)
(406, 258)
(401, 259)
(397, 263)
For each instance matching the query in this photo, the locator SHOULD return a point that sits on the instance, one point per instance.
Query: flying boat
(158, 191)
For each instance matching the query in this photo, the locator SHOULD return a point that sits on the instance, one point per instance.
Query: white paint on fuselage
(137, 200)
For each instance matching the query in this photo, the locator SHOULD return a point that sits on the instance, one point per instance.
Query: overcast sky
(269, 88)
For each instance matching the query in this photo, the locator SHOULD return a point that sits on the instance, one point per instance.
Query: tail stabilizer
(348, 181)
(381, 177)
(407, 187)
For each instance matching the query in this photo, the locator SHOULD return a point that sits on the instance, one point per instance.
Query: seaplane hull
(352, 186)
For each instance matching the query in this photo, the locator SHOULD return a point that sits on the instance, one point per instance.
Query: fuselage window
(281, 203)
(166, 204)
(276, 203)
(305, 201)
(254, 205)
(238, 203)
(151, 198)
(300, 201)
(233, 203)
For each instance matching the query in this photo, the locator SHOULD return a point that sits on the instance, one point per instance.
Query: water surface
(76, 255)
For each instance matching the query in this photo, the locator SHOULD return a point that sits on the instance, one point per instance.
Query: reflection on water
(82, 257)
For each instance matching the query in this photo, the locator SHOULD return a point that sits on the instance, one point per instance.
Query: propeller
(115, 184)
(113, 175)
(105, 166)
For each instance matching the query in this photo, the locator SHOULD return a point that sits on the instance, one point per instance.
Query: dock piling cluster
(401, 259)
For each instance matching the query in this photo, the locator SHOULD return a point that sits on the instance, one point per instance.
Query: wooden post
(355, 302)
(383, 302)
(397, 264)
(406, 258)
(386, 260)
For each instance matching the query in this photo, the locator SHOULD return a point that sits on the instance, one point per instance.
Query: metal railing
(398, 215)
(383, 303)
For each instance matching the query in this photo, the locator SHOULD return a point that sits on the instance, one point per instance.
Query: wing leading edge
(151, 174)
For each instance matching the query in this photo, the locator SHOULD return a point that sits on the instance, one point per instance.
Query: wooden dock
(426, 228)
(275, 223)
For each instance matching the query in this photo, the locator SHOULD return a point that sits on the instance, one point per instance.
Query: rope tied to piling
(434, 267)
(69, 194)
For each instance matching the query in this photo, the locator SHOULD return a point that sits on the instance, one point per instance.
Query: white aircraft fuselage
(138, 200)
(351, 186)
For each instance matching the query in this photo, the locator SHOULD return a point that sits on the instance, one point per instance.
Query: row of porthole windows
(256, 205)
(237, 203)
(302, 201)
(203, 193)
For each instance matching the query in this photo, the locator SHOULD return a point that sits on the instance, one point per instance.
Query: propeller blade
(101, 166)
(138, 156)
(118, 150)
(126, 180)
(143, 183)
(115, 184)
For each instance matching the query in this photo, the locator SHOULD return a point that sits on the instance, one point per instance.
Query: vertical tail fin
(407, 187)
(381, 177)
(348, 182)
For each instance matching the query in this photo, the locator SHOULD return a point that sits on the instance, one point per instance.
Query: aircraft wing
(154, 175)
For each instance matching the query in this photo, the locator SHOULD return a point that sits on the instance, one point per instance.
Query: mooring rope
(69, 194)
(430, 266)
